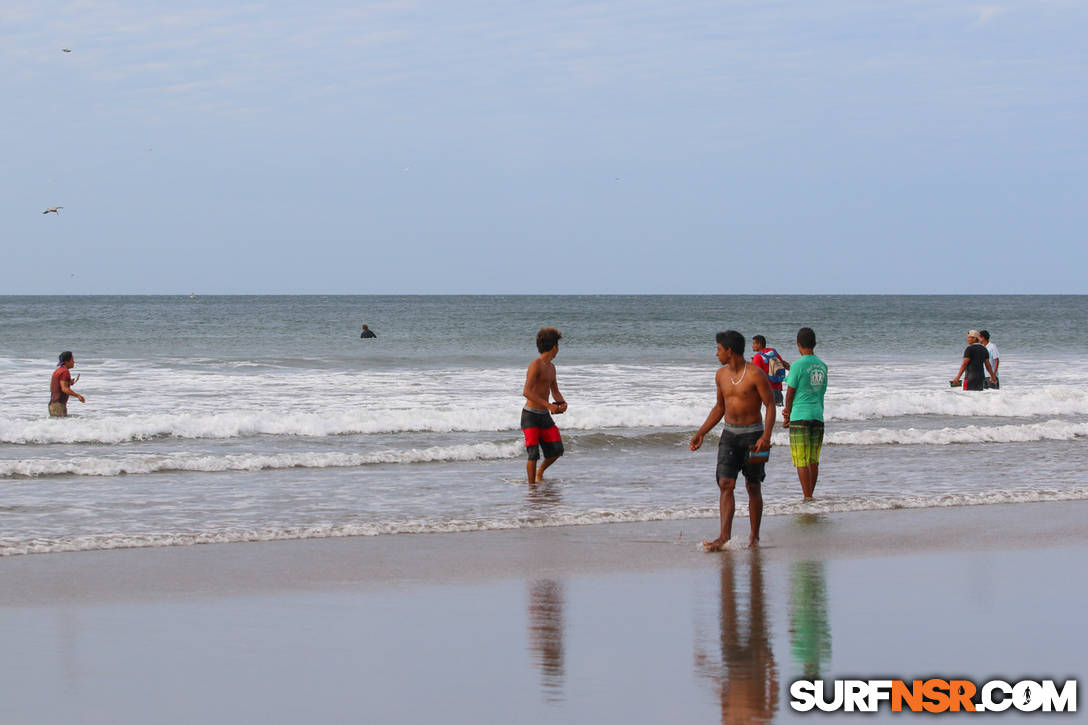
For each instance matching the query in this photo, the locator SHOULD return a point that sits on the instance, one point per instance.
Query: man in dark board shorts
(60, 386)
(975, 359)
(540, 430)
(742, 389)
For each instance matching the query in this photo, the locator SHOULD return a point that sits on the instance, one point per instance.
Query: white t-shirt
(992, 349)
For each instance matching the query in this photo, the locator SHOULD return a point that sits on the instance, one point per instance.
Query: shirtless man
(742, 388)
(536, 420)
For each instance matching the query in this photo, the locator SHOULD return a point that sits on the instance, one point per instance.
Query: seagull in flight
(66, 50)
(53, 209)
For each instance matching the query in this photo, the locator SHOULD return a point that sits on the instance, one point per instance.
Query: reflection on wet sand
(543, 497)
(546, 634)
(810, 625)
(745, 673)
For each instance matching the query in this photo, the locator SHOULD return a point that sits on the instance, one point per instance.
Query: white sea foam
(237, 424)
(1051, 430)
(240, 424)
(13, 547)
(143, 463)
(887, 402)
(426, 416)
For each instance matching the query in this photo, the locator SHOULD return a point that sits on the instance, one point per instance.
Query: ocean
(220, 419)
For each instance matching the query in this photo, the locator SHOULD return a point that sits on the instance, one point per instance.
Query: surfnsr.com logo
(934, 695)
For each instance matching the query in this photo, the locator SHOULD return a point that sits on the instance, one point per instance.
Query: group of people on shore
(744, 391)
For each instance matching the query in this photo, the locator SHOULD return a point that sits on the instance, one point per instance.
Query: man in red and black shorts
(540, 431)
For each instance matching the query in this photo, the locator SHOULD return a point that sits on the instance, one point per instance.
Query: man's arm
(67, 390)
(558, 398)
(962, 368)
(993, 371)
(763, 385)
(788, 406)
(712, 419)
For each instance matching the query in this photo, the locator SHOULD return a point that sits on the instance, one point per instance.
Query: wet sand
(611, 623)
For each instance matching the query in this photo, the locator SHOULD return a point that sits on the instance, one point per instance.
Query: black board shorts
(733, 456)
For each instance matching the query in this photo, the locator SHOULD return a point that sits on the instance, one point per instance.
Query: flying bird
(53, 209)
(66, 50)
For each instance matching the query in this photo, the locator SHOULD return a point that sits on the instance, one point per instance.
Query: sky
(477, 146)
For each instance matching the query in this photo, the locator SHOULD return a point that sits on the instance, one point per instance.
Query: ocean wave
(13, 547)
(136, 464)
(1051, 430)
(869, 403)
(84, 428)
(139, 463)
(240, 424)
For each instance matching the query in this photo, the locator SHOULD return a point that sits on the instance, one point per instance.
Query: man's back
(56, 393)
(540, 377)
(808, 378)
(769, 361)
(977, 355)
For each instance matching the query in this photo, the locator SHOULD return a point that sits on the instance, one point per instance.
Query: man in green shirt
(803, 412)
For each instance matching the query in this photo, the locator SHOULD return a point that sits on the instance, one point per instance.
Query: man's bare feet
(716, 545)
(753, 543)
(540, 477)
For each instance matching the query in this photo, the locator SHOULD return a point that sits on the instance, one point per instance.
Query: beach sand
(612, 623)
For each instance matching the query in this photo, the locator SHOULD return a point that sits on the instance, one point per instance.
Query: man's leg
(530, 470)
(727, 505)
(543, 467)
(808, 480)
(755, 510)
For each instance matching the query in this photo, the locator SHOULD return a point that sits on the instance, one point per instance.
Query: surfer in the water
(742, 388)
(367, 333)
(540, 430)
(60, 386)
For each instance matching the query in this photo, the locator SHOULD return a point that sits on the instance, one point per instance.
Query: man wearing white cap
(975, 357)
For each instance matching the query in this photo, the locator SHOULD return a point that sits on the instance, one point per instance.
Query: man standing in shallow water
(742, 389)
(803, 413)
(536, 420)
(60, 386)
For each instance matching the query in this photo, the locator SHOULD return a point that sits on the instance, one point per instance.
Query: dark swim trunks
(540, 434)
(733, 454)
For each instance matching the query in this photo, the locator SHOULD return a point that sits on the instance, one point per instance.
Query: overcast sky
(467, 146)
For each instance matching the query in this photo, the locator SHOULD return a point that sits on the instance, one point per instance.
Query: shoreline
(830, 505)
(624, 622)
(237, 568)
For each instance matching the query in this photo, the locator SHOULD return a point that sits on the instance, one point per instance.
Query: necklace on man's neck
(735, 382)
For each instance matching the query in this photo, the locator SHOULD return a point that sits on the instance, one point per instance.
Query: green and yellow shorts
(806, 440)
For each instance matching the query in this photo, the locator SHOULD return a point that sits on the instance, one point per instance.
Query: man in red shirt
(60, 387)
(762, 360)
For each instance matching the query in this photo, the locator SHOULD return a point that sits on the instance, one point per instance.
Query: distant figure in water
(995, 359)
(536, 417)
(367, 333)
(60, 387)
(976, 363)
